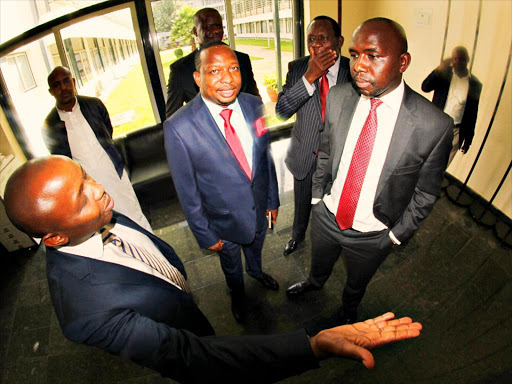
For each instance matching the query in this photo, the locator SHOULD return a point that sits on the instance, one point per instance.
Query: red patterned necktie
(357, 170)
(234, 142)
(139, 253)
(324, 90)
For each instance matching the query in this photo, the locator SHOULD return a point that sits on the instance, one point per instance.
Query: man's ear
(197, 79)
(194, 31)
(54, 240)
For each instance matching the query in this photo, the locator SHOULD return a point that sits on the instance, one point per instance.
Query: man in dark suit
(380, 164)
(457, 93)
(105, 296)
(305, 94)
(223, 170)
(79, 127)
(182, 87)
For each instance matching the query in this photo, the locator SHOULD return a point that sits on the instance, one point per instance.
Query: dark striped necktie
(139, 253)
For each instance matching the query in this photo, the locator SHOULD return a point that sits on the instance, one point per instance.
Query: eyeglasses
(320, 38)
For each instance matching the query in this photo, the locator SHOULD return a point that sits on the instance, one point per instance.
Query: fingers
(311, 52)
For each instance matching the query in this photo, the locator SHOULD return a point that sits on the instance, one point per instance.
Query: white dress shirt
(457, 96)
(95, 249)
(88, 152)
(332, 77)
(238, 123)
(387, 114)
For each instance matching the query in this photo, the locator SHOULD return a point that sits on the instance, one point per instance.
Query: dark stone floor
(453, 276)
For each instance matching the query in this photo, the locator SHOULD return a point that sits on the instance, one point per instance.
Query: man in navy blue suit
(219, 154)
(106, 297)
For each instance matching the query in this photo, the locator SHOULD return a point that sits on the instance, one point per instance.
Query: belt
(457, 125)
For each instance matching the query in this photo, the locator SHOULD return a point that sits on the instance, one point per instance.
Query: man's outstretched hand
(355, 340)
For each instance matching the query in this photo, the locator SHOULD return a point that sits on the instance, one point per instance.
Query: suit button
(253, 208)
(252, 184)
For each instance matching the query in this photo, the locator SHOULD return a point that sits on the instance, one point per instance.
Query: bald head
(394, 30)
(378, 56)
(54, 199)
(208, 26)
(62, 86)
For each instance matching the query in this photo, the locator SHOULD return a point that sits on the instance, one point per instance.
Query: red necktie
(234, 142)
(324, 90)
(357, 170)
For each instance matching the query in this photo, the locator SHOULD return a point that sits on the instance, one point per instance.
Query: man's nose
(359, 64)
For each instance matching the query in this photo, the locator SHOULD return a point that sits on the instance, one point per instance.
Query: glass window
(18, 16)
(253, 37)
(18, 64)
(32, 105)
(120, 84)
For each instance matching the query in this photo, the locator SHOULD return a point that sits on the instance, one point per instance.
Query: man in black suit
(118, 287)
(380, 164)
(305, 94)
(457, 93)
(182, 87)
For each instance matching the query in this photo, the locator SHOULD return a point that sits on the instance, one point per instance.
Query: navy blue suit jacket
(151, 322)
(219, 200)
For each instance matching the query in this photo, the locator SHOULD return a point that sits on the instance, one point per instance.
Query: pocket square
(260, 127)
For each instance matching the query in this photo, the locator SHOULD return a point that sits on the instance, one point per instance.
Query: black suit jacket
(182, 88)
(149, 321)
(439, 82)
(294, 98)
(410, 181)
(55, 135)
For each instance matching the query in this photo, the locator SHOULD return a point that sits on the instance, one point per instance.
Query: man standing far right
(457, 93)
(381, 161)
(305, 93)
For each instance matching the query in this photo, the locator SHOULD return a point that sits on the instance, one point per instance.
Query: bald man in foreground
(118, 287)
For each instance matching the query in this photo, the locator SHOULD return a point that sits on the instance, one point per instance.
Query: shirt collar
(75, 108)
(393, 99)
(92, 246)
(334, 69)
(216, 109)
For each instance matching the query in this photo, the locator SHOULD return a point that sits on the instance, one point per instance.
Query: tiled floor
(453, 276)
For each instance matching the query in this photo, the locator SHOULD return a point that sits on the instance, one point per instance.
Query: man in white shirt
(305, 93)
(380, 164)
(106, 295)
(79, 127)
(457, 93)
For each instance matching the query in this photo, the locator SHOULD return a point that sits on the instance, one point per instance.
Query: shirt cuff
(315, 200)
(311, 88)
(394, 239)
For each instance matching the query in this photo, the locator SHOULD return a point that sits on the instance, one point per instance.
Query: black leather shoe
(300, 288)
(290, 246)
(268, 281)
(238, 310)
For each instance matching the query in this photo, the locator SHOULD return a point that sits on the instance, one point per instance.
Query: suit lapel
(405, 124)
(346, 113)
(249, 112)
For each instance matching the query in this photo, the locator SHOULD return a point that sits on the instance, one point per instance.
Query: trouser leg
(326, 249)
(302, 206)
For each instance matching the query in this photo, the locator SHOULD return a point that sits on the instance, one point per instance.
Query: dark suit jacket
(55, 135)
(219, 200)
(440, 84)
(154, 324)
(410, 181)
(305, 136)
(182, 88)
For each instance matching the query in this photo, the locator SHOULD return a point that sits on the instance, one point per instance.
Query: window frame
(146, 44)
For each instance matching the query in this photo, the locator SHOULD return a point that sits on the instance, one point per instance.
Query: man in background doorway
(79, 127)
(182, 87)
(457, 93)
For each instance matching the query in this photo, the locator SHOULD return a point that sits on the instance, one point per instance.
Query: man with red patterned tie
(305, 94)
(380, 164)
(219, 153)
